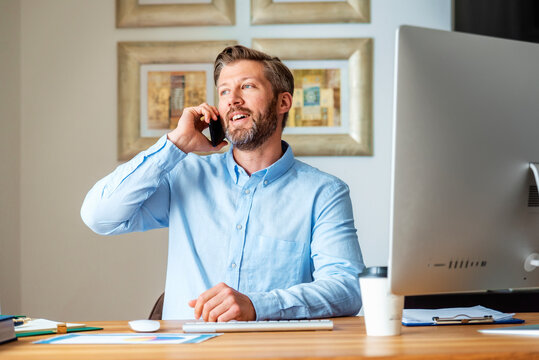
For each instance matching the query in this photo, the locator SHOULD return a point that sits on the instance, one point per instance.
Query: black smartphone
(217, 134)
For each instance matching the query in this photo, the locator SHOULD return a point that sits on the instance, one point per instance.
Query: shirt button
(265, 182)
(247, 191)
(233, 265)
(238, 226)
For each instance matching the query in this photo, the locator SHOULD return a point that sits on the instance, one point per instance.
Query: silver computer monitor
(464, 206)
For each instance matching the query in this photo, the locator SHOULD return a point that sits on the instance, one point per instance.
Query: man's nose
(235, 98)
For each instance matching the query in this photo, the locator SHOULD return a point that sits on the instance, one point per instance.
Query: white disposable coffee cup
(382, 309)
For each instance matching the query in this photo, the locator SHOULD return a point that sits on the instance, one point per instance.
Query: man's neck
(259, 158)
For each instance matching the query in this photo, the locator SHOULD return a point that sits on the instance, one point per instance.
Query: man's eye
(247, 86)
(224, 92)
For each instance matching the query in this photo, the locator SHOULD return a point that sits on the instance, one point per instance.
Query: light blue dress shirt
(283, 236)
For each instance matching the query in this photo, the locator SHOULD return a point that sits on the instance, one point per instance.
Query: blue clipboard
(472, 315)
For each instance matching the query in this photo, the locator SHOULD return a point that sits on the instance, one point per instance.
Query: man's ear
(284, 103)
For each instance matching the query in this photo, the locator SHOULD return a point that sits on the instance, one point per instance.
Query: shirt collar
(271, 173)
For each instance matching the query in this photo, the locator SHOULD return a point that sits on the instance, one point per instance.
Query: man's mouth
(238, 116)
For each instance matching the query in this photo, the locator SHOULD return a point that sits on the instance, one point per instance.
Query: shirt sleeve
(136, 195)
(337, 261)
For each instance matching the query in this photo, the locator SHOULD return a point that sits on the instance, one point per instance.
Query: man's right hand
(188, 135)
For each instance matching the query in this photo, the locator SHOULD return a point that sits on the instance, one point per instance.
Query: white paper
(419, 316)
(42, 325)
(525, 330)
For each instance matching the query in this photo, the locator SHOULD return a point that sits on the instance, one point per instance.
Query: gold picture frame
(129, 13)
(357, 140)
(131, 56)
(290, 12)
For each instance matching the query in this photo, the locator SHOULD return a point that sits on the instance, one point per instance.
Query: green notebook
(51, 332)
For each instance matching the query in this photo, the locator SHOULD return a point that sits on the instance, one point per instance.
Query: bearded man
(254, 234)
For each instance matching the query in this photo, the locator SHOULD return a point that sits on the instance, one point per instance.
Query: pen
(20, 321)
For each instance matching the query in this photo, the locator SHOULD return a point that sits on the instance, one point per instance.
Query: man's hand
(188, 135)
(222, 303)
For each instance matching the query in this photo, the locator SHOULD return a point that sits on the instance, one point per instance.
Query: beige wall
(10, 131)
(69, 127)
(64, 84)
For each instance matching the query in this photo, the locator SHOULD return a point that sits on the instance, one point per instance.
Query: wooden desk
(346, 341)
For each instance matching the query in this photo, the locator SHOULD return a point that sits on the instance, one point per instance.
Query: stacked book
(7, 329)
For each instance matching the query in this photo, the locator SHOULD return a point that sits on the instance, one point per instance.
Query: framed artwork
(331, 112)
(166, 89)
(318, 102)
(156, 80)
(309, 11)
(154, 13)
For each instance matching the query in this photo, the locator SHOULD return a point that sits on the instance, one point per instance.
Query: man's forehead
(241, 70)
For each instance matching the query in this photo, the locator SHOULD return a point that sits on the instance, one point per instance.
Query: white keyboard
(272, 325)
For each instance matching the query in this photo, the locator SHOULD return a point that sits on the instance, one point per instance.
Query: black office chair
(157, 311)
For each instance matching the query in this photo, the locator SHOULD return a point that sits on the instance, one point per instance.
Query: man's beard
(262, 128)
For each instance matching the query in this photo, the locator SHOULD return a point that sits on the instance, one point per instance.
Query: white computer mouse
(144, 325)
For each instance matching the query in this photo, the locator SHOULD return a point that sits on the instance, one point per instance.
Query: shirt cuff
(165, 153)
(266, 305)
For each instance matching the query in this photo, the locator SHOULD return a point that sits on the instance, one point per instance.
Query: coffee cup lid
(374, 271)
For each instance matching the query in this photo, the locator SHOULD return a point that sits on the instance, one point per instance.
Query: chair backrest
(157, 311)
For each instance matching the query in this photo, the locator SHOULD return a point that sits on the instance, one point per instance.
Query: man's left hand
(222, 303)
